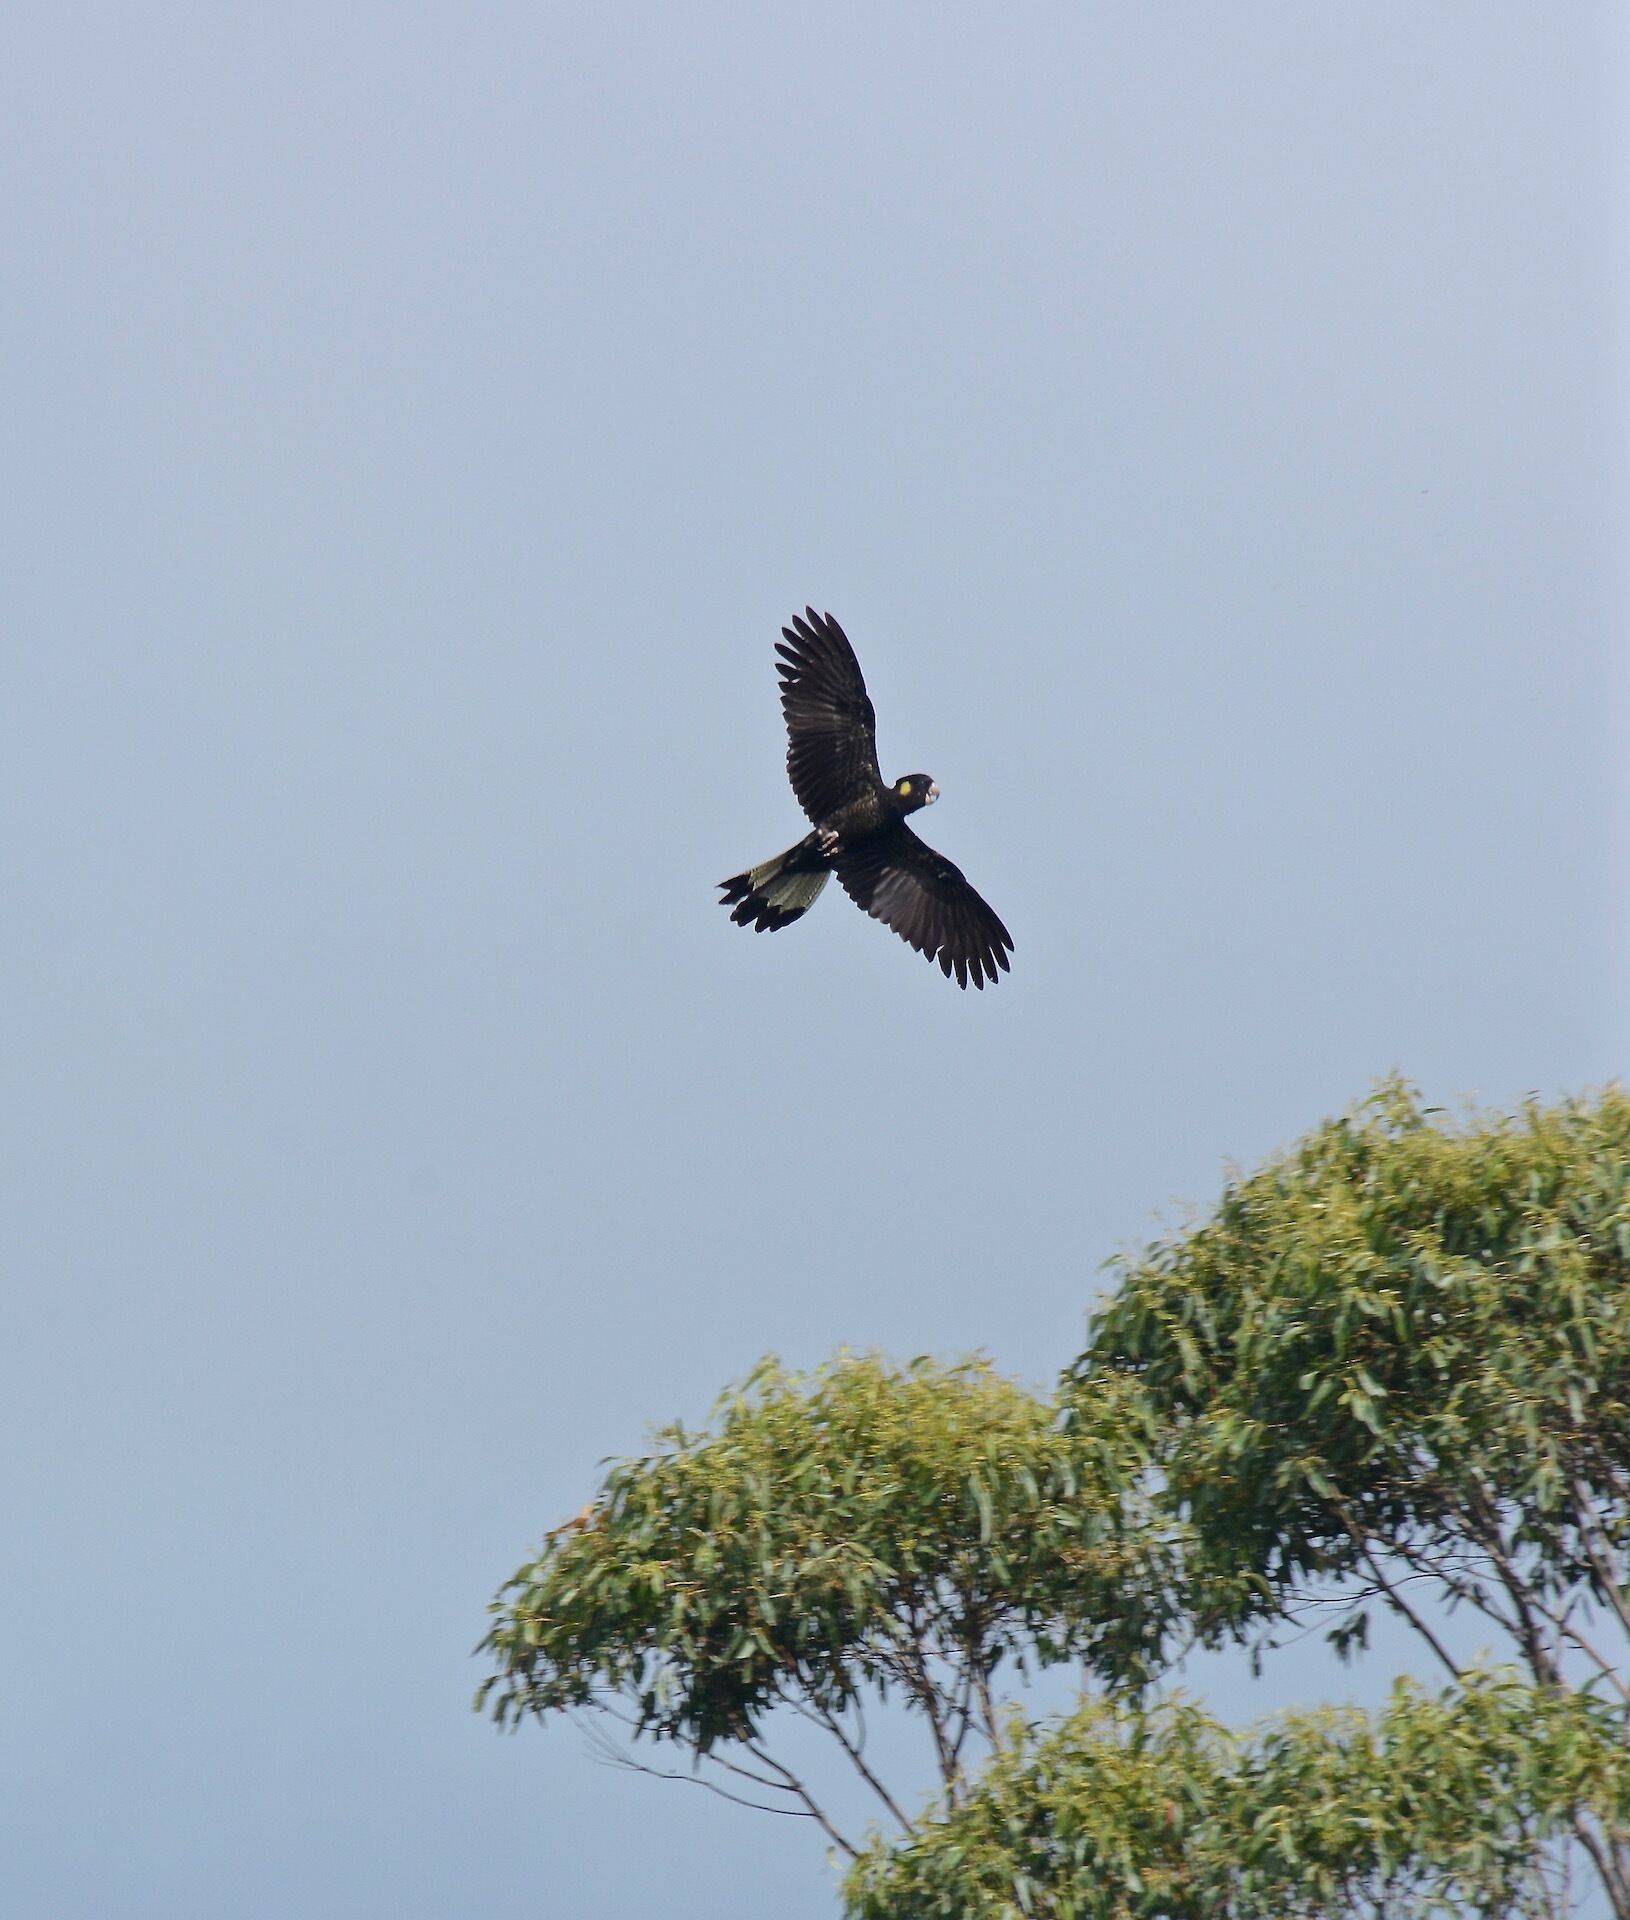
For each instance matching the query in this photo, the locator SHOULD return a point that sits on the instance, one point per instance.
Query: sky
(1209, 425)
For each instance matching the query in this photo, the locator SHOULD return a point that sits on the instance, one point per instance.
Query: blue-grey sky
(418, 420)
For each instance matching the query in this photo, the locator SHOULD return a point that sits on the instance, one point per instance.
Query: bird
(858, 821)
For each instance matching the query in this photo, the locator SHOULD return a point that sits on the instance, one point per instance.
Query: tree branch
(614, 1754)
(784, 1780)
(987, 1708)
(1590, 1529)
(1568, 1631)
(913, 1669)
(826, 1718)
(796, 1786)
(611, 1755)
(1393, 1597)
(929, 1696)
(1614, 1882)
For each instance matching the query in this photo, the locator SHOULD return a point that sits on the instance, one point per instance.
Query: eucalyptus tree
(863, 1534)
(1436, 1807)
(1393, 1368)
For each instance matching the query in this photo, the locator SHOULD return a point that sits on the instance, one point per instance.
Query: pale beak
(933, 793)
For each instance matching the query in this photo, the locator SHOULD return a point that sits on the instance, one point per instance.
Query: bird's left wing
(831, 729)
(899, 880)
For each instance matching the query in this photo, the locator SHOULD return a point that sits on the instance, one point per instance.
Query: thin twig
(1393, 1597)
(928, 1696)
(1590, 1534)
(618, 1756)
(987, 1708)
(962, 1711)
(1614, 1882)
(830, 1721)
(1569, 1631)
(1399, 1604)
(797, 1786)
(610, 1754)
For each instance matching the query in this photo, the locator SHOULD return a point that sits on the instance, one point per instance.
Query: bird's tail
(782, 890)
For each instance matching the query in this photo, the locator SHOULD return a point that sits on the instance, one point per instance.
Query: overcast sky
(418, 420)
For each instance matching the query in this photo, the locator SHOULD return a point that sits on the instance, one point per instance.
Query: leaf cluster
(860, 1530)
(1394, 1360)
(1402, 1331)
(1435, 1806)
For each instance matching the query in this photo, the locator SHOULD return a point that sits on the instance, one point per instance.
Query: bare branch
(777, 1778)
(1615, 1883)
(1491, 1539)
(1566, 1630)
(1590, 1534)
(962, 1711)
(609, 1754)
(614, 1755)
(795, 1785)
(913, 1670)
(987, 1708)
(1400, 1605)
(834, 1726)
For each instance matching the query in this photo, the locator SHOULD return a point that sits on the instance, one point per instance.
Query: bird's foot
(827, 841)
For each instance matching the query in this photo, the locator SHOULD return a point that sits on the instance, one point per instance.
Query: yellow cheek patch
(904, 789)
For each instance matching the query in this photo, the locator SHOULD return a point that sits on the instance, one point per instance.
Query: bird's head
(916, 790)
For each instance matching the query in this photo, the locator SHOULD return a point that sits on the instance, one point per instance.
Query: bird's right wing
(831, 729)
(904, 883)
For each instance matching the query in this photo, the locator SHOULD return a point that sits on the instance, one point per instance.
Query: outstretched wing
(909, 887)
(831, 729)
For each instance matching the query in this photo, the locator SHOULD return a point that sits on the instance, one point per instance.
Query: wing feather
(898, 879)
(831, 728)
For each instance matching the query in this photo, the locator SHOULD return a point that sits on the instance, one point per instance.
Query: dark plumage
(860, 830)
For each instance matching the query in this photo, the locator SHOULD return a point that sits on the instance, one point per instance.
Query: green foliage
(1436, 1806)
(866, 1528)
(1401, 1332)
(1095, 1818)
(1394, 1361)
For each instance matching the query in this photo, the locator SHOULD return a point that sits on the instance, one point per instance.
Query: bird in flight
(859, 823)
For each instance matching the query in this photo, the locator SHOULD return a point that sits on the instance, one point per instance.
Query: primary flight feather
(859, 822)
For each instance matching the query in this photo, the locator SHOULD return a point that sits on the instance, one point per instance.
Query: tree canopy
(1394, 1367)
(867, 1530)
(1391, 1368)
(1402, 1336)
(1437, 1805)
